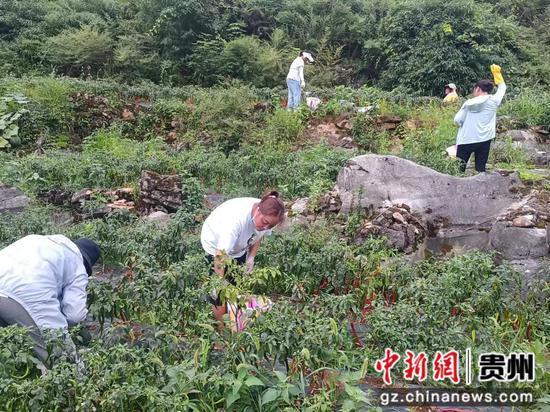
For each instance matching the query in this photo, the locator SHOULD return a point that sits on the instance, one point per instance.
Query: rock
(524, 221)
(344, 124)
(543, 131)
(387, 123)
(521, 135)
(158, 218)
(330, 203)
(518, 243)
(505, 123)
(12, 200)
(213, 200)
(414, 124)
(127, 114)
(531, 142)
(122, 204)
(404, 232)
(398, 217)
(58, 197)
(81, 195)
(160, 192)
(299, 207)
(369, 180)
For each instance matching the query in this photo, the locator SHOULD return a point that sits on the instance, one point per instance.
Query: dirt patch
(334, 131)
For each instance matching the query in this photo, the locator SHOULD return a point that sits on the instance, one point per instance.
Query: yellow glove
(497, 75)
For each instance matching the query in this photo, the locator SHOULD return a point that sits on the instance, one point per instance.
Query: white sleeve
(73, 303)
(460, 117)
(499, 95)
(301, 70)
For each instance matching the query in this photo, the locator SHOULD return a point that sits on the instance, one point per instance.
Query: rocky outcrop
(12, 200)
(402, 230)
(160, 192)
(369, 180)
(488, 210)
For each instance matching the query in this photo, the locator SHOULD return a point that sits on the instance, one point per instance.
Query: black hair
(485, 85)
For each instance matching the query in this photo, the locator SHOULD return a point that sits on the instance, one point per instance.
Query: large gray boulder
(12, 199)
(369, 180)
(517, 242)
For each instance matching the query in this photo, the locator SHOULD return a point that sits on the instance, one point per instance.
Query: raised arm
(499, 81)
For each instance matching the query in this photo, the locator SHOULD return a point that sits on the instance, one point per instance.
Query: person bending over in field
(234, 230)
(43, 282)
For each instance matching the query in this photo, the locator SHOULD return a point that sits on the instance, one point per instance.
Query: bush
(80, 51)
(433, 42)
(530, 107)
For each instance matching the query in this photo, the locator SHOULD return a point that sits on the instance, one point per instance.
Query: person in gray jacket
(43, 282)
(477, 121)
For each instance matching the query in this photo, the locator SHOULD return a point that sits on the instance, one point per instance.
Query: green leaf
(253, 381)
(237, 386)
(4, 143)
(281, 376)
(270, 395)
(231, 398)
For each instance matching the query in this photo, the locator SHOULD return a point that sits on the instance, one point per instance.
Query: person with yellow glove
(476, 121)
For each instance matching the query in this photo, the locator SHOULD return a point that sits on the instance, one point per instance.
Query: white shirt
(46, 275)
(230, 228)
(296, 71)
(477, 117)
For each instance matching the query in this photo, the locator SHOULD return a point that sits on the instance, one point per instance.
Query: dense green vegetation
(416, 46)
(153, 348)
(93, 92)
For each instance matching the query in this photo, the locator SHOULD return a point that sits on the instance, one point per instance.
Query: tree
(429, 43)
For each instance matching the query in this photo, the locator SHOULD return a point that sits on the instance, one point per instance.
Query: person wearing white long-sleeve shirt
(295, 79)
(43, 282)
(477, 121)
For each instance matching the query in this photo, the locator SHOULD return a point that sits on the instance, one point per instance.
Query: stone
(158, 218)
(518, 243)
(213, 200)
(127, 114)
(160, 192)
(81, 195)
(367, 181)
(398, 217)
(524, 221)
(12, 200)
(414, 124)
(299, 207)
(521, 135)
(344, 124)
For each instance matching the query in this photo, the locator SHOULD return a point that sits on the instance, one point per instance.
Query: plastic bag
(451, 151)
(313, 102)
(241, 317)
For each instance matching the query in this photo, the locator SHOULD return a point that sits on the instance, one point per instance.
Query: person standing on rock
(43, 282)
(477, 121)
(295, 79)
(234, 231)
(451, 96)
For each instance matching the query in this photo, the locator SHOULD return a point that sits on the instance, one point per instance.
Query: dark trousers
(12, 313)
(480, 150)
